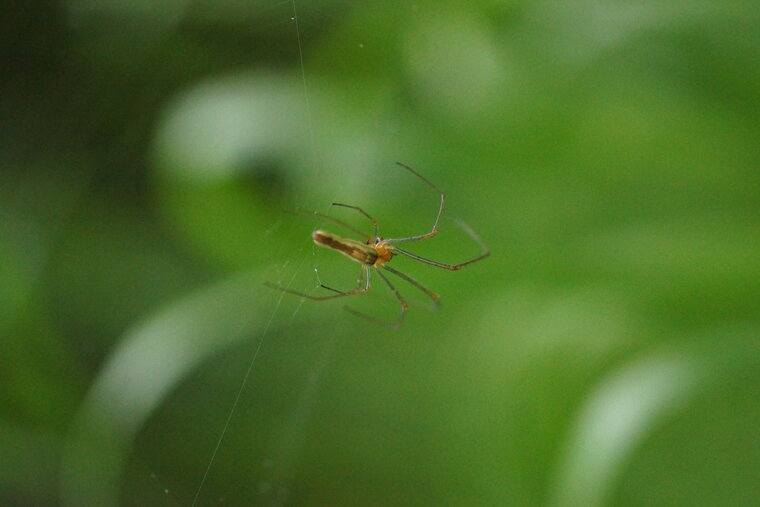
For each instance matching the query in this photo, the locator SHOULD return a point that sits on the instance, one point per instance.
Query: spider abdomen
(354, 250)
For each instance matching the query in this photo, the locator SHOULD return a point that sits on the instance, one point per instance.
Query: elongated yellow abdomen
(354, 250)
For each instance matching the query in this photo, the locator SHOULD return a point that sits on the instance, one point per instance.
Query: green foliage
(607, 353)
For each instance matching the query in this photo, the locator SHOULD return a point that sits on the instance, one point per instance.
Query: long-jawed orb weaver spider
(376, 252)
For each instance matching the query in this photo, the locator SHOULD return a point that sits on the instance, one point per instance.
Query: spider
(377, 252)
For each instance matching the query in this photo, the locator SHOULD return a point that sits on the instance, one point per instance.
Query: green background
(606, 353)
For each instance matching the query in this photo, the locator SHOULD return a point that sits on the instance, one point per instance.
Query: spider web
(285, 451)
(230, 381)
(278, 447)
(223, 350)
(282, 436)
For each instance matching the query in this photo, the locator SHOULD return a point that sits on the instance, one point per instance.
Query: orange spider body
(363, 253)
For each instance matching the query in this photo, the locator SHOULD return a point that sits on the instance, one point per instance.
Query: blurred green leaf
(603, 354)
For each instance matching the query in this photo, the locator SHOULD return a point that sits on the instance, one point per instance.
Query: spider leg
(363, 279)
(432, 295)
(363, 275)
(484, 252)
(434, 231)
(402, 301)
(329, 219)
(360, 210)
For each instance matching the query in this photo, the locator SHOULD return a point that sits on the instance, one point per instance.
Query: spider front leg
(484, 251)
(442, 196)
